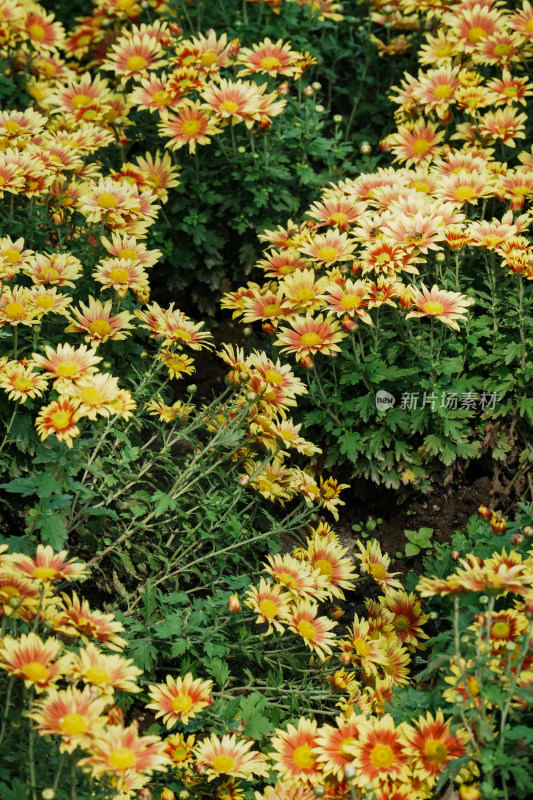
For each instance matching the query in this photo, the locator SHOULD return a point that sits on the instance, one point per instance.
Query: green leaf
(162, 503)
(252, 710)
(411, 550)
(149, 601)
(53, 530)
(22, 486)
(17, 790)
(219, 670)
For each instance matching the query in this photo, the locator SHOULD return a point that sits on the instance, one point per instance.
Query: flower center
(421, 146)
(12, 126)
(287, 580)
(433, 307)
(208, 58)
(119, 275)
(49, 274)
(191, 127)
(473, 686)
(520, 191)
(348, 742)
(128, 254)
(401, 623)
(223, 763)
(44, 301)
(107, 200)
(443, 91)
(361, 647)
(22, 384)
(81, 100)
(122, 758)
(378, 571)
(35, 671)
(325, 567)
(351, 301)
(272, 310)
(179, 754)
(14, 310)
(420, 186)
(230, 106)
(303, 757)
(181, 703)
(91, 396)
(161, 98)
(339, 217)
(273, 377)
(136, 63)
(500, 629)
(443, 51)
(305, 294)
(270, 62)
(327, 253)
(67, 369)
(44, 573)
(97, 675)
(268, 608)
(476, 34)
(11, 256)
(529, 26)
(307, 629)
(100, 327)
(436, 752)
(60, 420)
(73, 724)
(310, 339)
(382, 756)
(37, 32)
(502, 49)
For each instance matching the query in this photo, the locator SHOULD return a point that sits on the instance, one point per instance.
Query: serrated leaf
(162, 503)
(219, 670)
(149, 601)
(23, 486)
(53, 531)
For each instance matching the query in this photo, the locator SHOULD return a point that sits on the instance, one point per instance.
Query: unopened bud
(316, 86)
(528, 531)
(191, 388)
(319, 791)
(118, 121)
(338, 118)
(349, 324)
(455, 554)
(244, 480)
(366, 148)
(517, 538)
(306, 362)
(48, 794)
(268, 327)
(440, 257)
(241, 149)
(319, 109)
(471, 792)
(484, 512)
(349, 771)
(167, 794)
(337, 612)
(234, 604)
(498, 524)
(308, 91)
(247, 331)
(144, 793)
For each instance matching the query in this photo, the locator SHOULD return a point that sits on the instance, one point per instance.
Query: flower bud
(349, 324)
(244, 480)
(199, 768)
(247, 331)
(306, 362)
(385, 146)
(144, 793)
(484, 512)
(469, 792)
(498, 524)
(115, 715)
(241, 149)
(365, 148)
(319, 108)
(517, 538)
(316, 86)
(268, 328)
(308, 91)
(440, 257)
(455, 554)
(191, 388)
(528, 531)
(337, 612)
(234, 604)
(184, 795)
(234, 47)
(48, 794)
(349, 771)
(338, 118)
(167, 794)
(283, 88)
(319, 791)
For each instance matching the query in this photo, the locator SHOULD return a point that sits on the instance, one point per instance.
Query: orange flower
(32, 660)
(75, 618)
(75, 716)
(271, 603)
(433, 746)
(380, 752)
(229, 756)
(445, 306)
(120, 751)
(315, 631)
(59, 418)
(60, 269)
(192, 126)
(376, 564)
(43, 32)
(310, 335)
(21, 382)
(49, 566)
(105, 672)
(179, 750)
(330, 560)
(365, 652)
(108, 200)
(417, 143)
(134, 55)
(269, 58)
(18, 597)
(294, 753)
(66, 364)
(121, 275)
(465, 188)
(159, 175)
(407, 616)
(348, 299)
(331, 745)
(16, 307)
(94, 395)
(154, 94)
(304, 290)
(233, 101)
(504, 125)
(329, 248)
(127, 248)
(339, 212)
(298, 577)
(179, 699)
(96, 319)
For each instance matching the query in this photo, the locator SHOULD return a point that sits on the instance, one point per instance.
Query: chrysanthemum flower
(376, 564)
(266, 305)
(75, 95)
(127, 248)
(193, 125)
(437, 87)
(120, 274)
(66, 364)
(339, 212)
(465, 188)
(505, 626)
(179, 699)
(331, 745)
(331, 561)
(133, 55)
(21, 382)
(522, 20)
(59, 269)
(74, 715)
(285, 791)
(437, 49)
(105, 672)
(274, 480)
(407, 616)
(366, 652)
(179, 749)
(178, 364)
(504, 125)
(268, 58)
(230, 756)
(174, 326)
(109, 200)
(232, 101)
(501, 48)
(119, 751)
(515, 187)
(44, 31)
(154, 94)
(310, 335)
(380, 752)
(314, 630)
(348, 299)
(329, 495)
(48, 566)
(98, 322)
(12, 254)
(328, 248)
(16, 307)
(34, 661)
(271, 604)
(445, 306)
(294, 753)
(417, 143)
(93, 394)
(432, 744)
(177, 411)
(465, 688)
(472, 25)
(75, 618)
(160, 174)
(18, 597)
(297, 577)
(490, 234)
(49, 301)
(396, 660)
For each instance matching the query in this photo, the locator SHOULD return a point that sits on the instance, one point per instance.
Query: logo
(384, 400)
